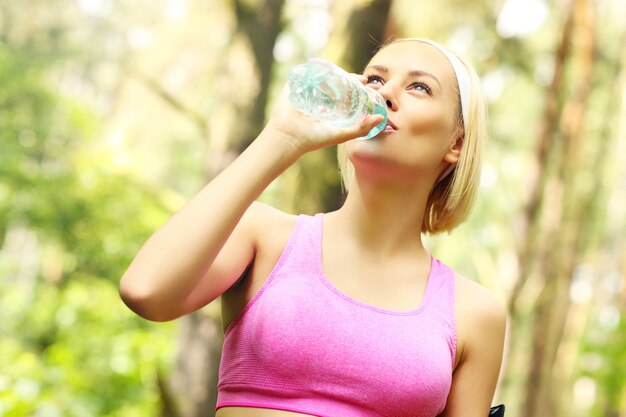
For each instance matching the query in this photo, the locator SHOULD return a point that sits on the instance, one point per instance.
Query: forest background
(114, 112)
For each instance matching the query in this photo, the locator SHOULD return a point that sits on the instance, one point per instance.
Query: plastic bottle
(326, 92)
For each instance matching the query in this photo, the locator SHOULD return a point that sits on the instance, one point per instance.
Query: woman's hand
(305, 133)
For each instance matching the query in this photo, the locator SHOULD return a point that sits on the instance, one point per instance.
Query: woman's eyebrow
(420, 73)
(412, 73)
(378, 68)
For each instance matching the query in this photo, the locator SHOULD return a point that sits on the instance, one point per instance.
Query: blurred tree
(556, 219)
(242, 104)
(559, 240)
(69, 223)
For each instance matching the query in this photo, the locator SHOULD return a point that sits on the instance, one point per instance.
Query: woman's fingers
(363, 127)
(361, 78)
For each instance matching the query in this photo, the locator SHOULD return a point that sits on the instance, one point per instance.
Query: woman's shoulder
(269, 222)
(480, 315)
(478, 303)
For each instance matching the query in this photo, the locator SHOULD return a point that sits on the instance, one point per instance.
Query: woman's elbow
(142, 300)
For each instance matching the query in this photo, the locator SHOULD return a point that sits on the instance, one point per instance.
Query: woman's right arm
(205, 247)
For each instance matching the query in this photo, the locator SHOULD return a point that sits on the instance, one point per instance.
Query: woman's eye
(373, 79)
(421, 87)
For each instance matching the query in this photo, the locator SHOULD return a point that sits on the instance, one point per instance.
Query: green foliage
(603, 359)
(69, 346)
(78, 352)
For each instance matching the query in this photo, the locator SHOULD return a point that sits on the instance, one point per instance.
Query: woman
(344, 313)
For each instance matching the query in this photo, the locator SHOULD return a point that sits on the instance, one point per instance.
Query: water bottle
(326, 92)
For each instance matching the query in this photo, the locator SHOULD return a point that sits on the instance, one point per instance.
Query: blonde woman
(343, 314)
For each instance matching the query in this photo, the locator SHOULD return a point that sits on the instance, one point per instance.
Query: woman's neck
(386, 219)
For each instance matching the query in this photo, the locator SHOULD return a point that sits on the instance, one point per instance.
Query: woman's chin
(367, 160)
(366, 146)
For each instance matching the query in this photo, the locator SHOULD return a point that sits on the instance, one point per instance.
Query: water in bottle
(330, 94)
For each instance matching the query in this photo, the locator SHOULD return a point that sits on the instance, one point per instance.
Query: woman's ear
(454, 153)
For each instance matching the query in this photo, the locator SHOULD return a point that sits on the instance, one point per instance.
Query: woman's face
(422, 137)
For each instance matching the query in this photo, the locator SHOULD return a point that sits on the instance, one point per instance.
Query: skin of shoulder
(481, 328)
(263, 217)
(477, 311)
(270, 229)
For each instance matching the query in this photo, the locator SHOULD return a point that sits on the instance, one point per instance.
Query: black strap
(497, 411)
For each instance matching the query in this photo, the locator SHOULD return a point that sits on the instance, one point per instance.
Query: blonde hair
(452, 197)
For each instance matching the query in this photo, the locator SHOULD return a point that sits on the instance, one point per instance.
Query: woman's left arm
(481, 326)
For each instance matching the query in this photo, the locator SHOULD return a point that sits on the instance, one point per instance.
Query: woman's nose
(391, 102)
(388, 95)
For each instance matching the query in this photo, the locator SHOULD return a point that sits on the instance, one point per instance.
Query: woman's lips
(391, 127)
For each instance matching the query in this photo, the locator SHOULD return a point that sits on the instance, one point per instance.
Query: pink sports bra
(302, 345)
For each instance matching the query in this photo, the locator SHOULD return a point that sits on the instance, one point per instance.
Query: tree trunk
(539, 174)
(561, 249)
(195, 377)
(530, 230)
(366, 29)
(200, 342)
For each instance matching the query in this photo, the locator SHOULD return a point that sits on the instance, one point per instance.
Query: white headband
(462, 76)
